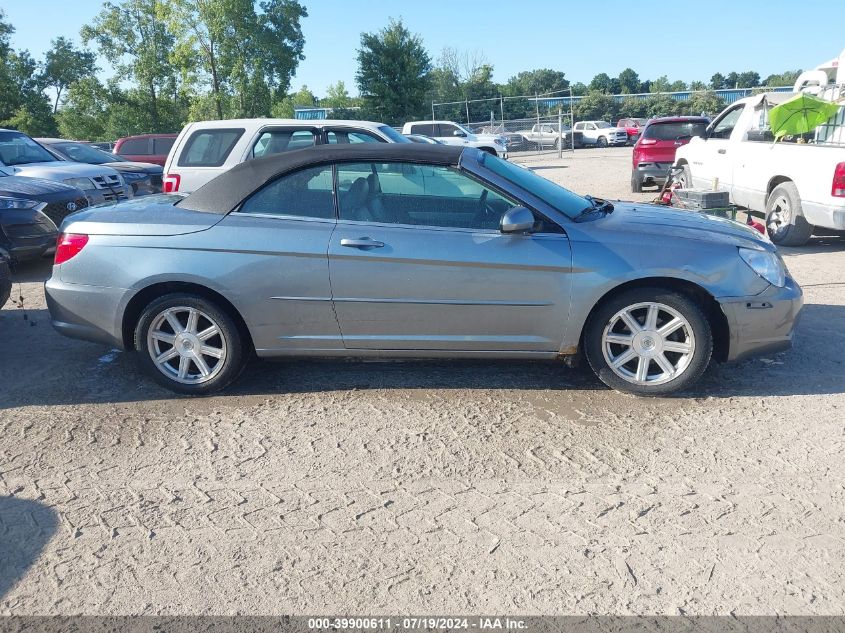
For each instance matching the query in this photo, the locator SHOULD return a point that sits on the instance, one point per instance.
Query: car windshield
(673, 131)
(393, 135)
(602, 124)
(19, 149)
(568, 203)
(461, 127)
(82, 153)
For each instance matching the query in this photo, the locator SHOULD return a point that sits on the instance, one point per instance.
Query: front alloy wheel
(648, 341)
(189, 344)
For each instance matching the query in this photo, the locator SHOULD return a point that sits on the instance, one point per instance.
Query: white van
(206, 149)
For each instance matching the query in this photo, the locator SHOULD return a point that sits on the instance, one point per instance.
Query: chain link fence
(528, 124)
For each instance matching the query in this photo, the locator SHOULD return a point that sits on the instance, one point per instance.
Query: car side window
(278, 141)
(725, 126)
(306, 193)
(137, 146)
(351, 137)
(447, 130)
(579, 126)
(209, 148)
(421, 195)
(591, 126)
(161, 146)
(426, 129)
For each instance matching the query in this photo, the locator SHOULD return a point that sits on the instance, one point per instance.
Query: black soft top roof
(230, 188)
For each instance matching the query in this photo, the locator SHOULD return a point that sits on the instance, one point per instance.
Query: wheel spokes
(201, 354)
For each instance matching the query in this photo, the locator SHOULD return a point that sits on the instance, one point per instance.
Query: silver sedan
(409, 251)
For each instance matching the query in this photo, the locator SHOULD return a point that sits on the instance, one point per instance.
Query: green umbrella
(800, 115)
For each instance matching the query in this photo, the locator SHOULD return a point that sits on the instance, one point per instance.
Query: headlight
(498, 141)
(18, 203)
(766, 264)
(80, 183)
(132, 176)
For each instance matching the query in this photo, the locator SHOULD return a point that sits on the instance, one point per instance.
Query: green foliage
(393, 74)
(632, 107)
(337, 96)
(65, 64)
(629, 82)
(536, 82)
(603, 83)
(662, 105)
(717, 81)
(787, 78)
(705, 102)
(596, 106)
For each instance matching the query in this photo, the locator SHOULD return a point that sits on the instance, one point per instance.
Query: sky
(682, 39)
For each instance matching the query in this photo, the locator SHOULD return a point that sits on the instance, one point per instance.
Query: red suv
(654, 152)
(633, 127)
(145, 148)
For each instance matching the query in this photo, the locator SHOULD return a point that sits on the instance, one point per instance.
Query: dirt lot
(426, 487)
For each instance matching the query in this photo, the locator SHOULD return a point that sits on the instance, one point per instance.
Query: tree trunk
(154, 107)
(58, 98)
(215, 83)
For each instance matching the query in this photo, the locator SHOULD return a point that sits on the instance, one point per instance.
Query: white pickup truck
(797, 185)
(601, 133)
(452, 133)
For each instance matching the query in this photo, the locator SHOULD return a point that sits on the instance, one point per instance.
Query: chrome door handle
(364, 242)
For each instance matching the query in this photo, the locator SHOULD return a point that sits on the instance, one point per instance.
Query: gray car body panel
(429, 292)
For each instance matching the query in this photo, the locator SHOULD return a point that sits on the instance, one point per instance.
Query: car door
(446, 133)
(715, 168)
(417, 262)
(277, 262)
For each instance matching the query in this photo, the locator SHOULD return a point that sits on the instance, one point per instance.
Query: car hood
(679, 223)
(141, 168)
(23, 186)
(61, 170)
(156, 215)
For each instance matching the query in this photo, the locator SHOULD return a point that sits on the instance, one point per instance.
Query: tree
(732, 80)
(633, 107)
(393, 73)
(661, 84)
(697, 85)
(707, 103)
(596, 106)
(65, 64)
(133, 36)
(748, 79)
(629, 81)
(786, 78)
(678, 86)
(661, 105)
(717, 81)
(286, 108)
(579, 89)
(536, 82)
(237, 49)
(337, 96)
(603, 83)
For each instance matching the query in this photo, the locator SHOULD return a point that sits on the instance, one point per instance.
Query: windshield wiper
(597, 206)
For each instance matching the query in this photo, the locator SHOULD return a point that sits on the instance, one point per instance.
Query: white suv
(206, 149)
(452, 133)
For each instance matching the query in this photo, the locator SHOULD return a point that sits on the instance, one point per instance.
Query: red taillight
(172, 182)
(68, 245)
(837, 188)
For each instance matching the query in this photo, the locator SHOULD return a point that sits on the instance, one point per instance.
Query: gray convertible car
(409, 251)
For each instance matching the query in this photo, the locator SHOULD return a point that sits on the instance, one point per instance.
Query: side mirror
(458, 133)
(517, 220)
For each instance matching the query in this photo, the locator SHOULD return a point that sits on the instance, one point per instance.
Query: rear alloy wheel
(785, 221)
(649, 341)
(188, 344)
(602, 142)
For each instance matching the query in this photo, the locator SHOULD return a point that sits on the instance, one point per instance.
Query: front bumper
(764, 323)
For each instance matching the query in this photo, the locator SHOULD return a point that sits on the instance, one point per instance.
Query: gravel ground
(425, 487)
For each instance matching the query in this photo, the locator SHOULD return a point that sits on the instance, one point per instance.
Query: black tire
(636, 183)
(685, 178)
(229, 340)
(785, 221)
(602, 142)
(696, 323)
